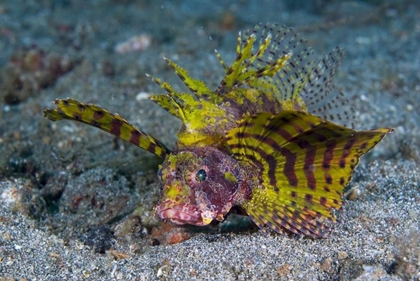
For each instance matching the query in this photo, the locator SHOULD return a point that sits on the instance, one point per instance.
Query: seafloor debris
(169, 234)
(407, 254)
(30, 70)
(134, 44)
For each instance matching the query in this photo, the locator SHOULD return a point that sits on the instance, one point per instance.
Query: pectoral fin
(112, 123)
(305, 164)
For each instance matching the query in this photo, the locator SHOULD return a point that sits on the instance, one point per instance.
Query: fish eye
(201, 175)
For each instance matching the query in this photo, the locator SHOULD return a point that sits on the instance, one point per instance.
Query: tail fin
(111, 123)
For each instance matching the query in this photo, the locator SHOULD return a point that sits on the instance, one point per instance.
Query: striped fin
(322, 97)
(280, 64)
(305, 164)
(196, 86)
(180, 104)
(291, 78)
(112, 123)
(297, 81)
(221, 61)
(247, 67)
(170, 102)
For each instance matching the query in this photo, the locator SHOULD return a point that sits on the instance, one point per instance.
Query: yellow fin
(305, 164)
(195, 86)
(112, 123)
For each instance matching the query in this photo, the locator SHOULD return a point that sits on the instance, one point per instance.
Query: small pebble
(142, 96)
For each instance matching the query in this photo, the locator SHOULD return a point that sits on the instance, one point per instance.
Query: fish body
(265, 140)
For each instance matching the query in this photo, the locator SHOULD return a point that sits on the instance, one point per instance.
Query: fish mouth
(180, 213)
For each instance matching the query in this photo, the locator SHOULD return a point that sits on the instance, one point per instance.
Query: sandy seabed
(77, 204)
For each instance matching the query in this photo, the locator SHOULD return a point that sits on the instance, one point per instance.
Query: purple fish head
(199, 185)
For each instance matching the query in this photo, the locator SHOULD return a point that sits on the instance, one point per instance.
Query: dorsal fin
(298, 80)
(322, 98)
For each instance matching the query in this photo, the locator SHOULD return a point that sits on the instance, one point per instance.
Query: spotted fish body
(264, 140)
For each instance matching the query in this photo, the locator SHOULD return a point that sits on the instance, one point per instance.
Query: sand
(76, 204)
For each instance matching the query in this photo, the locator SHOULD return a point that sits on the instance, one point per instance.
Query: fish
(274, 139)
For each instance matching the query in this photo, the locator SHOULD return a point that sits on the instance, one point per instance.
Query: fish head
(198, 185)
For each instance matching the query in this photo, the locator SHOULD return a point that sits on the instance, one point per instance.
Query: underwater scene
(234, 140)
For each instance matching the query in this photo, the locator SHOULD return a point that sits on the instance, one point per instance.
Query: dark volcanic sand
(69, 193)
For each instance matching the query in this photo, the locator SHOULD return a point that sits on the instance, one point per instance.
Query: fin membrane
(305, 163)
(277, 61)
